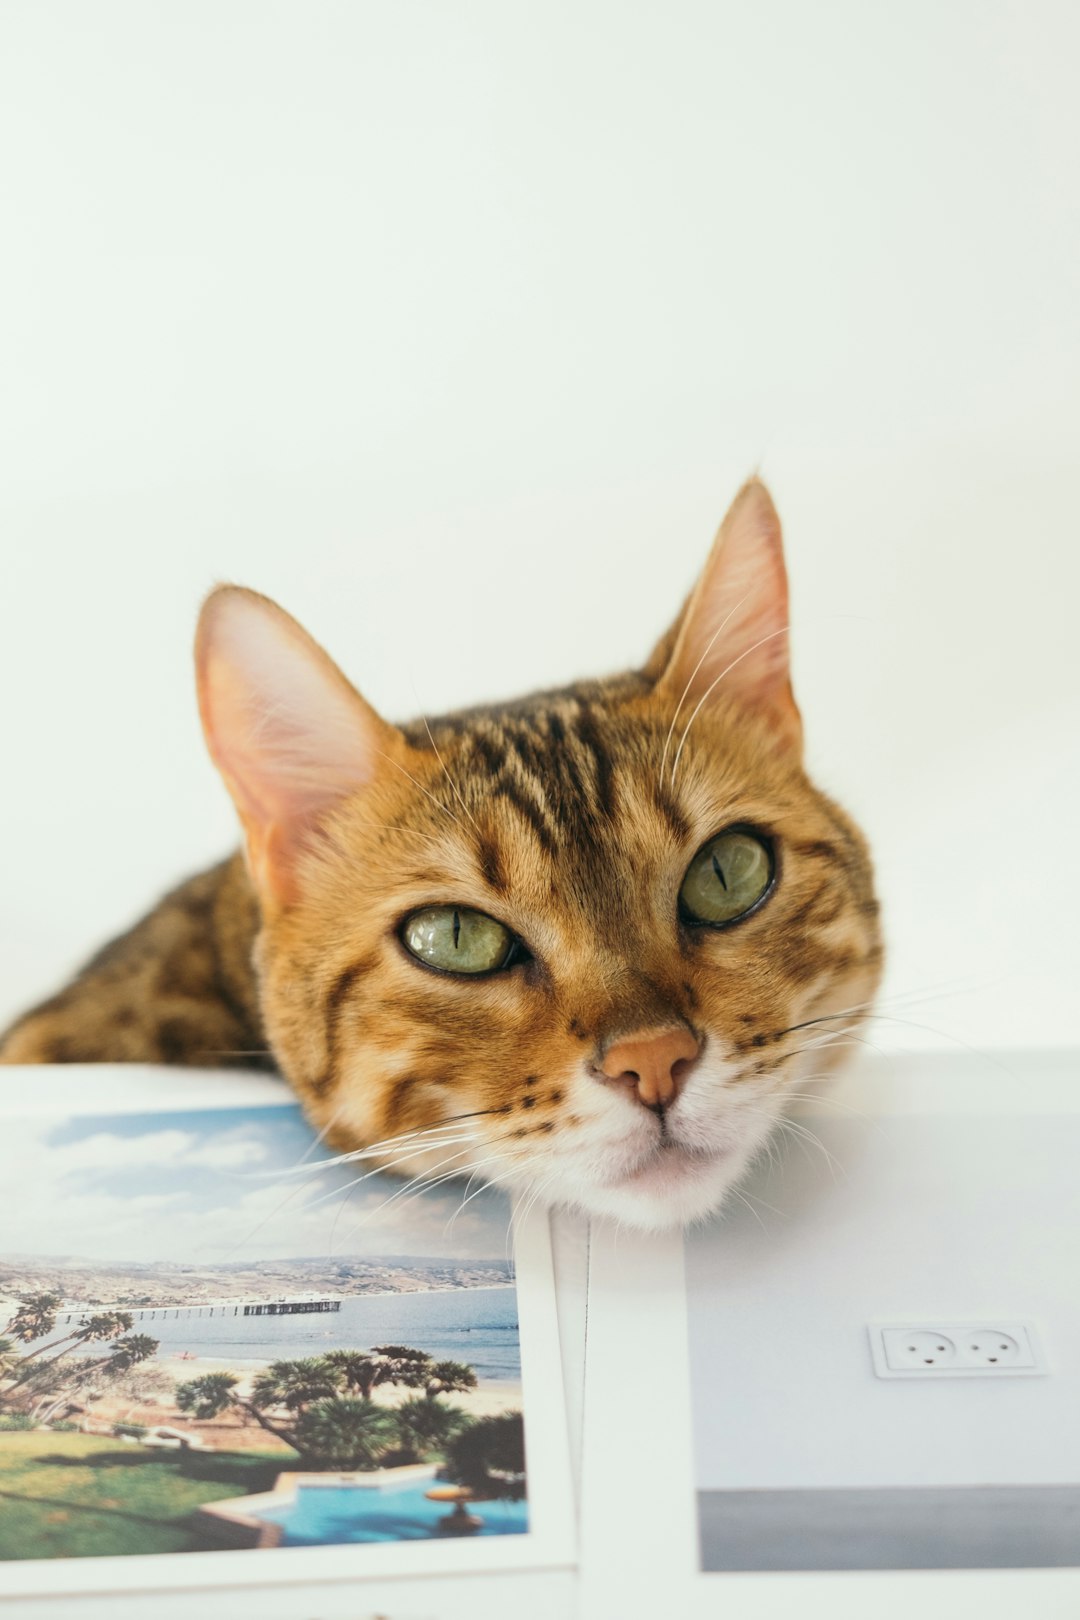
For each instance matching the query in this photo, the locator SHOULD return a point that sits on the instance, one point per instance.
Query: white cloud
(48, 1209)
(107, 1151)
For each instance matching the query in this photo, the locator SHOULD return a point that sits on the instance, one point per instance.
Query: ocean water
(475, 1325)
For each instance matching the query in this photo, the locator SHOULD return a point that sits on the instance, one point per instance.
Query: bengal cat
(586, 941)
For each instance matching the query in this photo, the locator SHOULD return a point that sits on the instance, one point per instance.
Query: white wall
(455, 326)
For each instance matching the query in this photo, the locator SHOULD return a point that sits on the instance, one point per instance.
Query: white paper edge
(548, 1543)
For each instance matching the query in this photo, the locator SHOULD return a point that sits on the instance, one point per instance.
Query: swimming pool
(321, 1515)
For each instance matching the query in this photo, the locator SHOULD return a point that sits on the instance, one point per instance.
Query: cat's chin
(672, 1187)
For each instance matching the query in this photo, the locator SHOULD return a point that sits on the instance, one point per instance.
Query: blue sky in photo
(210, 1185)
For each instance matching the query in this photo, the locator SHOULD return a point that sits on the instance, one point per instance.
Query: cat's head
(579, 942)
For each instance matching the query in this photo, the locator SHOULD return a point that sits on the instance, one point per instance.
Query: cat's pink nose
(654, 1063)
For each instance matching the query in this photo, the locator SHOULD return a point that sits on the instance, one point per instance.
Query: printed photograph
(209, 1340)
(858, 1405)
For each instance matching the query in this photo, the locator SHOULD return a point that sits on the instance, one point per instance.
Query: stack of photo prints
(229, 1357)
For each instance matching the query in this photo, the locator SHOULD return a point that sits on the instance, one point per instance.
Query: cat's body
(178, 987)
(513, 939)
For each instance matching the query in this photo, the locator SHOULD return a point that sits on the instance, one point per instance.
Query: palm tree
(344, 1433)
(424, 1426)
(489, 1457)
(105, 1325)
(9, 1358)
(360, 1371)
(295, 1384)
(90, 1376)
(127, 1353)
(207, 1396)
(407, 1366)
(447, 1377)
(34, 1318)
(399, 1352)
(300, 1402)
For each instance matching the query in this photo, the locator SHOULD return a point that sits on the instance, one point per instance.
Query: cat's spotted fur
(570, 817)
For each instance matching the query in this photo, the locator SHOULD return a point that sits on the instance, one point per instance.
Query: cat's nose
(654, 1063)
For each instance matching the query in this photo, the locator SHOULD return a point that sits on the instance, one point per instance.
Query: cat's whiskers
(469, 1196)
(845, 1037)
(299, 1187)
(735, 662)
(428, 839)
(801, 1133)
(379, 1169)
(426, 1183)
(822, 1097)
(900, 998)
(518, 1218)
(427, 1177)
(421, 1182)
(382, 1152)
(450, 1128)
(449, 778)
(693, 673)
(741, 1196)
(892, 1018)
(428, 795)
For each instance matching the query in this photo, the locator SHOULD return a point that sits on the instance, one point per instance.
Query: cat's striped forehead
(580, 782)
(563, 816)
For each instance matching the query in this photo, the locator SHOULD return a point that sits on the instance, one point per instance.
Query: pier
(299, 1305)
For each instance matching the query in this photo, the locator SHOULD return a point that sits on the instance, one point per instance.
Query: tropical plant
(205, 1397)
(403, 1353)
(35, 1317)
(489, 1457)
(414, 1369)
(344, 1433)
(58, 1384)
(318, 1406)
(361, 1371)
(53, 1389)
(128, 1352)
(44, 1385)
(447, 1377)
(104, 1325)
(424, 1426)
(295, 1384)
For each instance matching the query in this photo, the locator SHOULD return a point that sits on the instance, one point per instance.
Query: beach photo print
(217, 1348)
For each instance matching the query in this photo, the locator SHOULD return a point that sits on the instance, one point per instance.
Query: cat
(585, 942)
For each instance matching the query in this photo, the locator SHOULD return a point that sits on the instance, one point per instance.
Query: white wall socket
(990, 1348)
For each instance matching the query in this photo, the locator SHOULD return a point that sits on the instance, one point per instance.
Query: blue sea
(476, 1325)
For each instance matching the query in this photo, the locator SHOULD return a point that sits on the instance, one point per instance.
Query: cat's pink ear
(284, 727)
(731, 639)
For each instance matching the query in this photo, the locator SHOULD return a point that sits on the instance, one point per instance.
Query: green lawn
(80, 1495)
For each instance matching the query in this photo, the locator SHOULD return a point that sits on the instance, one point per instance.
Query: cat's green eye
(458, 940)
(727, 878)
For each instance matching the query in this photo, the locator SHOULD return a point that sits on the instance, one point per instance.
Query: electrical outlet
(990, 1348)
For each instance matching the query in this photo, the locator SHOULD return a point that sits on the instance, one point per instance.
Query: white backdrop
(455, 327)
